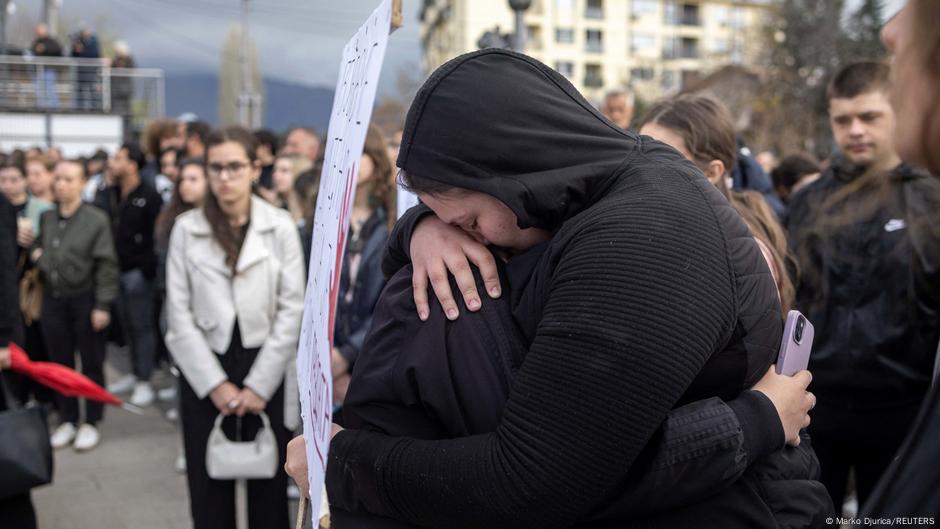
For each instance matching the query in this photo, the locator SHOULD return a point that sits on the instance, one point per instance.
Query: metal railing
(60, 84)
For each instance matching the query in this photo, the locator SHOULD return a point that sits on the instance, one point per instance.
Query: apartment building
(654, 46)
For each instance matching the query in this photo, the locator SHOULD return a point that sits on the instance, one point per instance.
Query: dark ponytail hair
(228, 237)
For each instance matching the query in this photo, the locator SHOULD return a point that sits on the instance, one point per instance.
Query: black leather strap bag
(25, 453)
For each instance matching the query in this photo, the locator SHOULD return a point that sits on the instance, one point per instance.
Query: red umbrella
(63, 379)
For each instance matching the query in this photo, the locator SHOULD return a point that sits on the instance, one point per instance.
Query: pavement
(129, 480)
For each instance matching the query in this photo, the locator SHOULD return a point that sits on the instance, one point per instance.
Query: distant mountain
(286, 104)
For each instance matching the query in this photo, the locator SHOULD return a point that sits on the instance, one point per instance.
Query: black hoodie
(654, 294)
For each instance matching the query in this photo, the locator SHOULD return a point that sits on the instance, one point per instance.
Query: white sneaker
(167, 394)
(87, 438)
(293, 493)
(180, 463)
(172, 415)
(63, 435)
(123, 384)
(143, 395)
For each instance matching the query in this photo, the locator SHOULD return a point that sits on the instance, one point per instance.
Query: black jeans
(35, 347)
(66, 325)
(212, 502)
(864, 439)
(135, 303)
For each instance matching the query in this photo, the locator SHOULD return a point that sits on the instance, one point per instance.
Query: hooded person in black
(441, 379)
(651, 294)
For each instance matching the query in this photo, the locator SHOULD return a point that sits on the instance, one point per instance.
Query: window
(681, 14)
(639, 8)
(688, 15)
(642, 74)
(642, 41)
(688, 48)
(594, 9)
(719, 46)
(680, 48)
(565, 68)
(669, 81)
(669, 48)
(737, 51)
(721, 14)
(533, 37)
(670, 13)
(592, 76)
(738, 18)
(564, 35)
(594, 41)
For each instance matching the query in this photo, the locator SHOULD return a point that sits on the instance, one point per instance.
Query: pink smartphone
(796, 345)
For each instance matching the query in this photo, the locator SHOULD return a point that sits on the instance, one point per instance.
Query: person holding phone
(234, 279)
(650, 294)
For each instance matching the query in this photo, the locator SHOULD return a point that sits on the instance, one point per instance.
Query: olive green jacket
(78, 255)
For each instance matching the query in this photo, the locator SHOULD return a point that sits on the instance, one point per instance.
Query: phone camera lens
(798, 334)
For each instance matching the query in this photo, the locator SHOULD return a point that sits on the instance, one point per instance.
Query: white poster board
(349, 121)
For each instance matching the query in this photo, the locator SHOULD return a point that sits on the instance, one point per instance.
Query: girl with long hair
(287, 167)
(362, 280)
(701, 129)
(234, 301)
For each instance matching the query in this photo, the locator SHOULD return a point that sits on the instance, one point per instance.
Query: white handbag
(227, 459)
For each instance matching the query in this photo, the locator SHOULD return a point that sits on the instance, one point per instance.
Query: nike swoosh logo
(895, 225)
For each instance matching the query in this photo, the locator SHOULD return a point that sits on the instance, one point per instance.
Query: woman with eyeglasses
(234, 300)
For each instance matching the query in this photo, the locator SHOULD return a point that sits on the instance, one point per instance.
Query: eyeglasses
(234, 168)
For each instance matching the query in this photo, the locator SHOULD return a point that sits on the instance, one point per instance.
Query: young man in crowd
(869, 265)
(133, 207)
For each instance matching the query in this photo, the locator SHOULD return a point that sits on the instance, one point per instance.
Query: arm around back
(623, 359)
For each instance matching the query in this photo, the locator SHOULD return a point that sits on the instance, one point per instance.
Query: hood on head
(504, 124)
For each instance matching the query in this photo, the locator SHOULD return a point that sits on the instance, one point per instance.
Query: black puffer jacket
(651, 293)
(870, 285)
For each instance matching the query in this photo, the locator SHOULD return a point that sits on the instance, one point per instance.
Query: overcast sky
(297, 40)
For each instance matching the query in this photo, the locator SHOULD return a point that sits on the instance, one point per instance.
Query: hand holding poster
(349, 120)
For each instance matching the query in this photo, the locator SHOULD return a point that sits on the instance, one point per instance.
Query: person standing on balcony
(45, 79)
(122, 85)
(85, 46)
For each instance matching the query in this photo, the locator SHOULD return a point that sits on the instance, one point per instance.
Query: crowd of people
(636, 272)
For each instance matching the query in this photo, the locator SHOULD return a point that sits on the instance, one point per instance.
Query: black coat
(133, 221)
(651, 293)
(354, 309)
(871, 287)
(9, 291)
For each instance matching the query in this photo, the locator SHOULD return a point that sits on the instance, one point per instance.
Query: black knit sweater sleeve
(619, 342)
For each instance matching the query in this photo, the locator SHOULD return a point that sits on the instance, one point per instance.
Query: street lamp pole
(519, 7)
